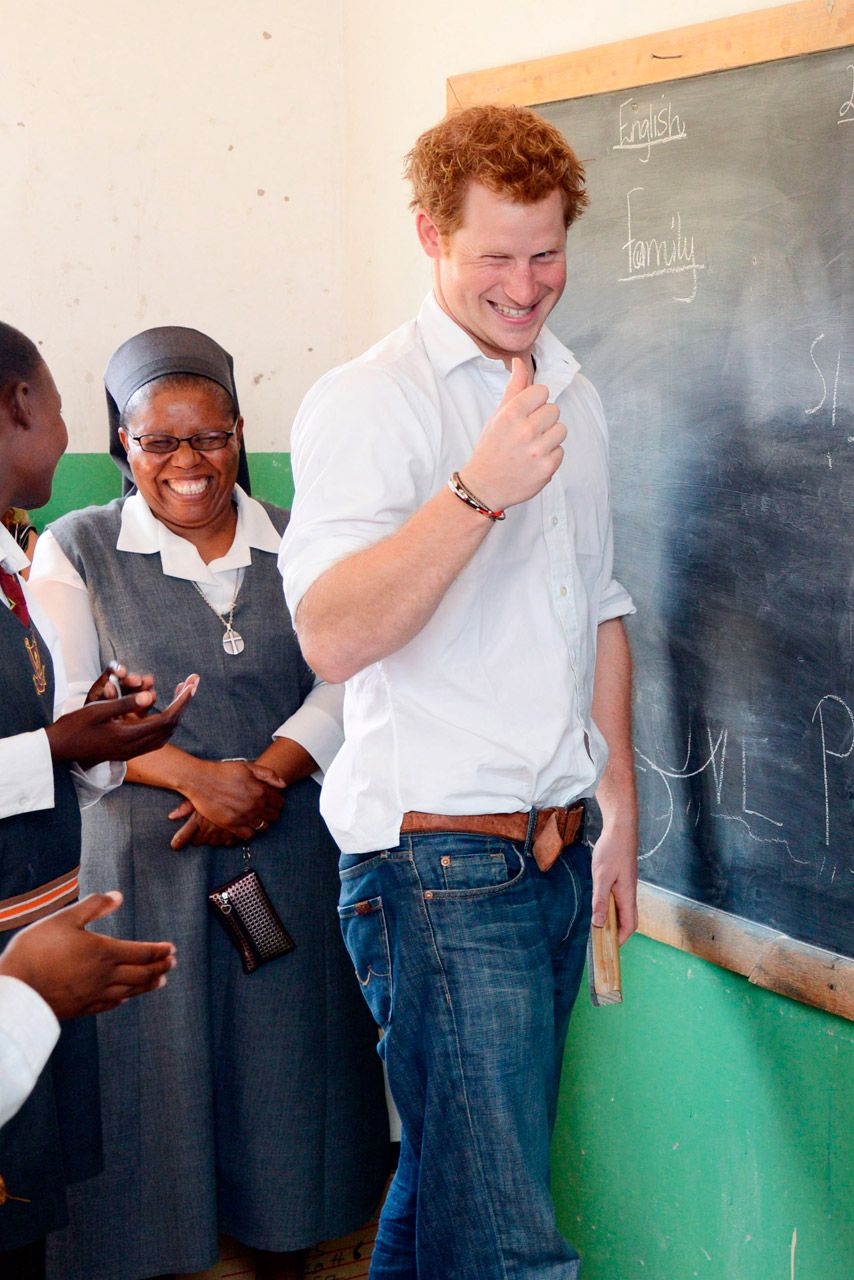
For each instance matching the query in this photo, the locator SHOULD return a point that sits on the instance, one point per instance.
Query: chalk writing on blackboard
(828, 751)
(830, 711)
(820, 404)
(716, 761)
(666, 255)
(846, 111)
(641, 130)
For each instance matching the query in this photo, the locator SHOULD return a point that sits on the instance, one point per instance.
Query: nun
(249, 1101)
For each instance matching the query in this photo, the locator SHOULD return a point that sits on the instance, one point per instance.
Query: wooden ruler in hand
(603, 961)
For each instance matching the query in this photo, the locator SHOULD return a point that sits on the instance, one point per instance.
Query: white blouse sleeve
(60, 593)
(318, 725)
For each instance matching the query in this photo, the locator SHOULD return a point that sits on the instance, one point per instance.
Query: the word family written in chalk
(670, 254)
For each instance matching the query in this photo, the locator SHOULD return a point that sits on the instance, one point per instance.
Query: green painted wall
(84, 478)
(703, 1122)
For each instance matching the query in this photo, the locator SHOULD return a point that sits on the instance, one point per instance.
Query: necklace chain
(226, 622)
(232, 641)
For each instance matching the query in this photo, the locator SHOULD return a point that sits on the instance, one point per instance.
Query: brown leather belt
(553, 828)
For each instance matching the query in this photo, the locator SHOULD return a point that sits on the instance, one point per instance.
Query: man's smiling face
(503, 269)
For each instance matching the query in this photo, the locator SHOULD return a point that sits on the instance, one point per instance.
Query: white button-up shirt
(488, 708)
(26, 765)
(28, 1033)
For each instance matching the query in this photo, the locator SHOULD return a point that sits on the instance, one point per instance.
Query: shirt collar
(142, 533)
(12, 557)
(448, 346)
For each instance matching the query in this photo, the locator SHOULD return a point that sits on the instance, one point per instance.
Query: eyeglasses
(201, 442)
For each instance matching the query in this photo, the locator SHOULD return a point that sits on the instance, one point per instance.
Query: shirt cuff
(615, 602)
(28, 1033)
(26, 774)
(316, 726)
(92, 784)
(301, 568)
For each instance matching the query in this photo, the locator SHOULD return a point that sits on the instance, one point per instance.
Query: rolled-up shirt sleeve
(362, 462)
(318, 724)
(614, 599)
(615, 602)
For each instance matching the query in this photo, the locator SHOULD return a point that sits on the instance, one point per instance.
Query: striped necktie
(10, 585)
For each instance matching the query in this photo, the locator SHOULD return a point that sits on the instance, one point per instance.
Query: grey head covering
(152, 354)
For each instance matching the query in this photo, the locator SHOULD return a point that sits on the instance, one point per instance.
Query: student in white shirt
(54, 1139)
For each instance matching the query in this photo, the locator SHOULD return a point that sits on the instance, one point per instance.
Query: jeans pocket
(574, 896)
(574, 865)
(461, 865)
(366, 938)
(351, 865)
(476, 869)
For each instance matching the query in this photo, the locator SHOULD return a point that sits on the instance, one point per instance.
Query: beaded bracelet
(465, 495)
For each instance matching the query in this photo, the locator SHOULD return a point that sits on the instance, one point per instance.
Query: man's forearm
(612, 713)
(372, 603)
(615, 854)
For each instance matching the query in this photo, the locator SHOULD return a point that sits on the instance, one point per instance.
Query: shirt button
(563, 591)
(555, 520)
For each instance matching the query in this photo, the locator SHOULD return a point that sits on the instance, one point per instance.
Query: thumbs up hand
(520, 446)
(519, 379)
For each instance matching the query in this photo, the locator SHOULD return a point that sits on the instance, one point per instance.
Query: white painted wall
(168, 162)
(236, 166)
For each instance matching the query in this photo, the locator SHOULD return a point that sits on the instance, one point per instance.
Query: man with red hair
(450, 558)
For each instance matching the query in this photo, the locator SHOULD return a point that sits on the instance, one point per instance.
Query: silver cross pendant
(232, 641)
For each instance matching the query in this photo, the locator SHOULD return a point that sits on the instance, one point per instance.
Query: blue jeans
(470, 959)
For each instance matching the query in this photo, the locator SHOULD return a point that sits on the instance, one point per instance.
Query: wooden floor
(346, 1259)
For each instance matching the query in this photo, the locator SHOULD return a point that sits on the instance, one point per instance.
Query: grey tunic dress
(246, 1104)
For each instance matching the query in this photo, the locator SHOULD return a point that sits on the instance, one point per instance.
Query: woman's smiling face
(188, 489)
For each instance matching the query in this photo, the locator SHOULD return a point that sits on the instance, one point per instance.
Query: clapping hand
(117, 728)
(77, 972)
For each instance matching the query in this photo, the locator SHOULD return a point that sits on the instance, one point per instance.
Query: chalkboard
(708, 299)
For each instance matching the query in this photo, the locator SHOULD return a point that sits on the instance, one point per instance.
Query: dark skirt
(251, 1105)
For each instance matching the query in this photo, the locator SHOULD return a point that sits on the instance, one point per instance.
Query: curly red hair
(511, 151)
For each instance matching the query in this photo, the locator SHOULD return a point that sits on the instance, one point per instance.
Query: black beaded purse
(250, 919)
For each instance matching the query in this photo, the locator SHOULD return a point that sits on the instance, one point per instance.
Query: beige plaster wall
(174, 162)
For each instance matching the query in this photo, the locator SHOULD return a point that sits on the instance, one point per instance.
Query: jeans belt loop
(529, 838)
